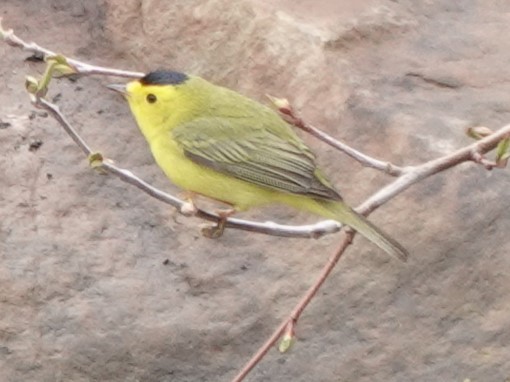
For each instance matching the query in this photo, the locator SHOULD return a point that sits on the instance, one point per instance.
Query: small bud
(286, 342)
(478, 132)
(61, 70)
(59, 66)
(60, 59)
(55, 59)
(31, 84)
(503, 150)
(4, 33)
(282, 104)
(95, 160)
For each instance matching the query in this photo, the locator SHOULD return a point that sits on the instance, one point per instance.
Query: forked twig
(411, 176)
(269, 228)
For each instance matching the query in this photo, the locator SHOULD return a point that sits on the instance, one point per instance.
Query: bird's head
(158, 99)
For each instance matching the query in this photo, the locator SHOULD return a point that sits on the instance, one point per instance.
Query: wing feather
(249, 151)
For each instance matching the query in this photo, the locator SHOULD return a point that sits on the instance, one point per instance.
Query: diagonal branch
(289, 323)
(269, 228)
(411, 175)
(289, 114)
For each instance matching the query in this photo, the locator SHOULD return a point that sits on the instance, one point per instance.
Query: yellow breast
(193, 177)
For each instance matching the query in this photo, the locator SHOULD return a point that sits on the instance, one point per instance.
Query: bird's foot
(215, 231)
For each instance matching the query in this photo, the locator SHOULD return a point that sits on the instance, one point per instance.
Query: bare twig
(290, 321)
(474, 152)
(269, 228)
(283, 106)
(411, 175)
(81, 67)
(290, 115)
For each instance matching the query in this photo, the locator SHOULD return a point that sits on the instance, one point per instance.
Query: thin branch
(291, 116)
(55, 112)
(474, 152)
(269, 228)
(81, 67)
(365, 160)
(288, 323)
(411, 175)
(283, 105)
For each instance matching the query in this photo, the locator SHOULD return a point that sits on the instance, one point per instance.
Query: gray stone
(84, 291)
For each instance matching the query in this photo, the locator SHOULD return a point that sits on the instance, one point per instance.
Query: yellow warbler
(215, 142)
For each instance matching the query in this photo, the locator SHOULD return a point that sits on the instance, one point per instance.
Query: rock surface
(84, 291)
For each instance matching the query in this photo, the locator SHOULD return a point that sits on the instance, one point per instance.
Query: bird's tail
(339, 211)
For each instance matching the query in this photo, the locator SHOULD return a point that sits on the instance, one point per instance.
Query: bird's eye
(151, 98)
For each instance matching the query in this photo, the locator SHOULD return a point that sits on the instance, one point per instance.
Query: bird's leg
(188, 208)
(214, 232)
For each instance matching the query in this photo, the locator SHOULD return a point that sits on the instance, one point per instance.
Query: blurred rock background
(84, 291)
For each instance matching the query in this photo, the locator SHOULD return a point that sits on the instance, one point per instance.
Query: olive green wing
(248, 150)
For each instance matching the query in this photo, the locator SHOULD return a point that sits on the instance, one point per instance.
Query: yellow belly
(200, 179)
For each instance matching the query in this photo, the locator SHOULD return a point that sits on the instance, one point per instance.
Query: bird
(213, 141)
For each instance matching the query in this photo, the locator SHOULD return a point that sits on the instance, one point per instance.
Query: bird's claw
(214, 231)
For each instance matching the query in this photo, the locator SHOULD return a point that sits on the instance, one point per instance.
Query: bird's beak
(119, 88)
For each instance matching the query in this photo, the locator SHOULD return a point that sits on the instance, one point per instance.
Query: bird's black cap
(164, 77)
